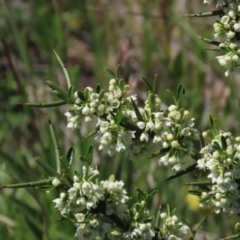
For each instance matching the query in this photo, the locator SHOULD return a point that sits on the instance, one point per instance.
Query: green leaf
(211, 122)
(224, 143)
(183, 172)
(180, 92)
(64, 163)
(98, 88)
(114, 117)
(147, 84)
(177, 132)
(195, 192)
(54, 86)
(86, 93)
(90, 155)
(70, 155)
(215, 43)
(199, 225)
(213, 125)
(151, 195)
(60, 95)
(118, 71)
(89, 135)
(121, 84)
(151, 100)
(137, 112)
(158, 220)
(101, 94)
(161, 152)
(154, 84)
(217, 146)
(81, 95)
(67, 78)
(119, 116)
(70, 93)
(141, 195)
(56, 146)
(111, 73)
(52, 172)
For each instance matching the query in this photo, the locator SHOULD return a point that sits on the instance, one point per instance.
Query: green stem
(44, 105)
(29, 184)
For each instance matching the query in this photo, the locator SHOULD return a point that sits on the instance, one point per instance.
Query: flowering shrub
(102, 209)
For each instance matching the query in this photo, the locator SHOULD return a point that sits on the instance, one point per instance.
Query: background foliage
(146, 38)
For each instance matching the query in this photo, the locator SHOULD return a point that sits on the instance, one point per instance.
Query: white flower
(80, 217)
(236, 27)
(150, 126)
(175, 144)
(86, 110)
(56, 182)
(141, 125)
(231, 34)
(144, 137)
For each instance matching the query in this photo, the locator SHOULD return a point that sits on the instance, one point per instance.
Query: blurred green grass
(146, 38)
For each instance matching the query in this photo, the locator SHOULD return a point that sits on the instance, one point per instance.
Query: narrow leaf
(224, 143)
(216, 146)
(180, 91)
(110, 72)
(89, 135)
(181, 173)
(137, 112)
(199, 225)
(154, 84)
(54, 86)
(70, 93)
(101, 94)
(151, 100)
(119, 116)
(61, 96)
(67, 78)
(160, 152)
(90, 155)
(98, 88)
(70, 155)
(147, 84)
(64, 163)
(52, 172)
(211, 122)
(56, 146)
(118, 71)
(215, 43)
(81, 95)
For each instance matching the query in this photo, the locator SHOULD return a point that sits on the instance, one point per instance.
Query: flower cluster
(122, 125)
(98, 209)
(177, 135)
(229, 26)
(221, 157)
(173, 229)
